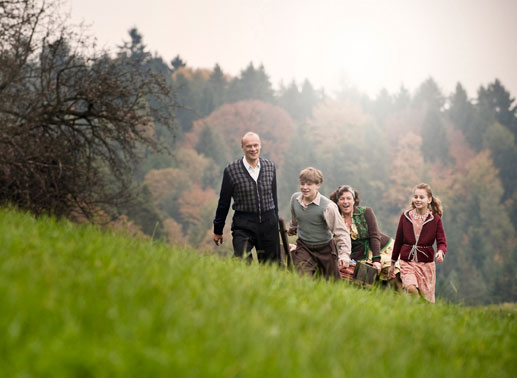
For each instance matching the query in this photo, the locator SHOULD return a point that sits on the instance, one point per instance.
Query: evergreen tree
(300, 155)
(253, 84)
(383, 105)
(137, 52)
(435, 146)
(501, 104)
(177, 63)
(219, 87)
(465, 117)
(290, 99)
(484, 117)
(461, 110)
(429, 95)
(310, 98)
(186, 114)
(501, 142)
(480, 236)
(402, 99)
(135, 48)
(212, 146)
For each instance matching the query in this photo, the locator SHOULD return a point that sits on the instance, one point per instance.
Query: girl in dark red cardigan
(419, 228)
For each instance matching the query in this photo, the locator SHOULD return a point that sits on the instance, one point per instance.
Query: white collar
(248, 165)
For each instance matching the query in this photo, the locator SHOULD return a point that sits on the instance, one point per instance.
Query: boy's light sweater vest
(312, 227)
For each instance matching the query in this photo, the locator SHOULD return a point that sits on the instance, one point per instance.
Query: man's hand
(343, 264)
(218, 239)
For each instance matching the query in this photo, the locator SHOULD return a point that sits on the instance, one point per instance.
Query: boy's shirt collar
(315, 201)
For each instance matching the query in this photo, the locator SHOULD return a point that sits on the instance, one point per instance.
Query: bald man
(251, 182)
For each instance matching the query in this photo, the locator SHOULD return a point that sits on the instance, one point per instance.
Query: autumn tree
(71, 118)
(231, 121)
(406, 170)
(166, 187)
(197, 209)
(169, 186)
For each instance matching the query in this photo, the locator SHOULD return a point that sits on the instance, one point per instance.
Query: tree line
(463, 146)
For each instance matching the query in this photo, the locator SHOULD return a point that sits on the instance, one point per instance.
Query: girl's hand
(377, 265)
(391, 271)
(439, 256)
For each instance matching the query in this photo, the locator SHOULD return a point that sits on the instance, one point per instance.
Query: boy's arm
(337, 226)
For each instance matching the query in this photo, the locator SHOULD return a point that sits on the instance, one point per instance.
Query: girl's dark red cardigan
(421, 250)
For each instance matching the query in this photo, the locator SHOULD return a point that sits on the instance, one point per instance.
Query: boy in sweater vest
(323, 244)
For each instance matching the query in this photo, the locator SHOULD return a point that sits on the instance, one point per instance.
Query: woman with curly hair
(368, 243)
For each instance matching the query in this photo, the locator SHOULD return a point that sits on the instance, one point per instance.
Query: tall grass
(77, 302)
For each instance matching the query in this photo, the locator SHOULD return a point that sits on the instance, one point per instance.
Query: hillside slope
(78, 302)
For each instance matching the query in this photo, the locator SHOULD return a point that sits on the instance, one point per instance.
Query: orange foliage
(232, 121)
(407, 170)
(174, 232)
(123, 225)
(193, 202)
(207, 243)
(402, 123)
(189, 73)
(460, 149)
(163, 181)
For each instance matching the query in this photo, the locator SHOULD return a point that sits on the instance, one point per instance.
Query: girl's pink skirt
(420, 274)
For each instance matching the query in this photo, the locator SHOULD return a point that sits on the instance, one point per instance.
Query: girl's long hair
(436, 204)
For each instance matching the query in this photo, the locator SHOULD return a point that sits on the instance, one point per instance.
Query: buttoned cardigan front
(411, 248)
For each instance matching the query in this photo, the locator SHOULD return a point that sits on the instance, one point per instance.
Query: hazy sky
(359, 43)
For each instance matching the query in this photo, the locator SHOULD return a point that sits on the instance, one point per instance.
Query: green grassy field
(76, 302)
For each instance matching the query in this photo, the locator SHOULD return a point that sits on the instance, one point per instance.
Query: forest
(185, 124)
(463, 146)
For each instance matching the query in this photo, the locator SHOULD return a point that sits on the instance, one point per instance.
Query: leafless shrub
(72, 119)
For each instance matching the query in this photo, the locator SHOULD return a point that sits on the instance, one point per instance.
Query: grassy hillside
(75, 302)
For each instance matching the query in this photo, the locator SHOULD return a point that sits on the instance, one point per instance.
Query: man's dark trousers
(248, 231)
